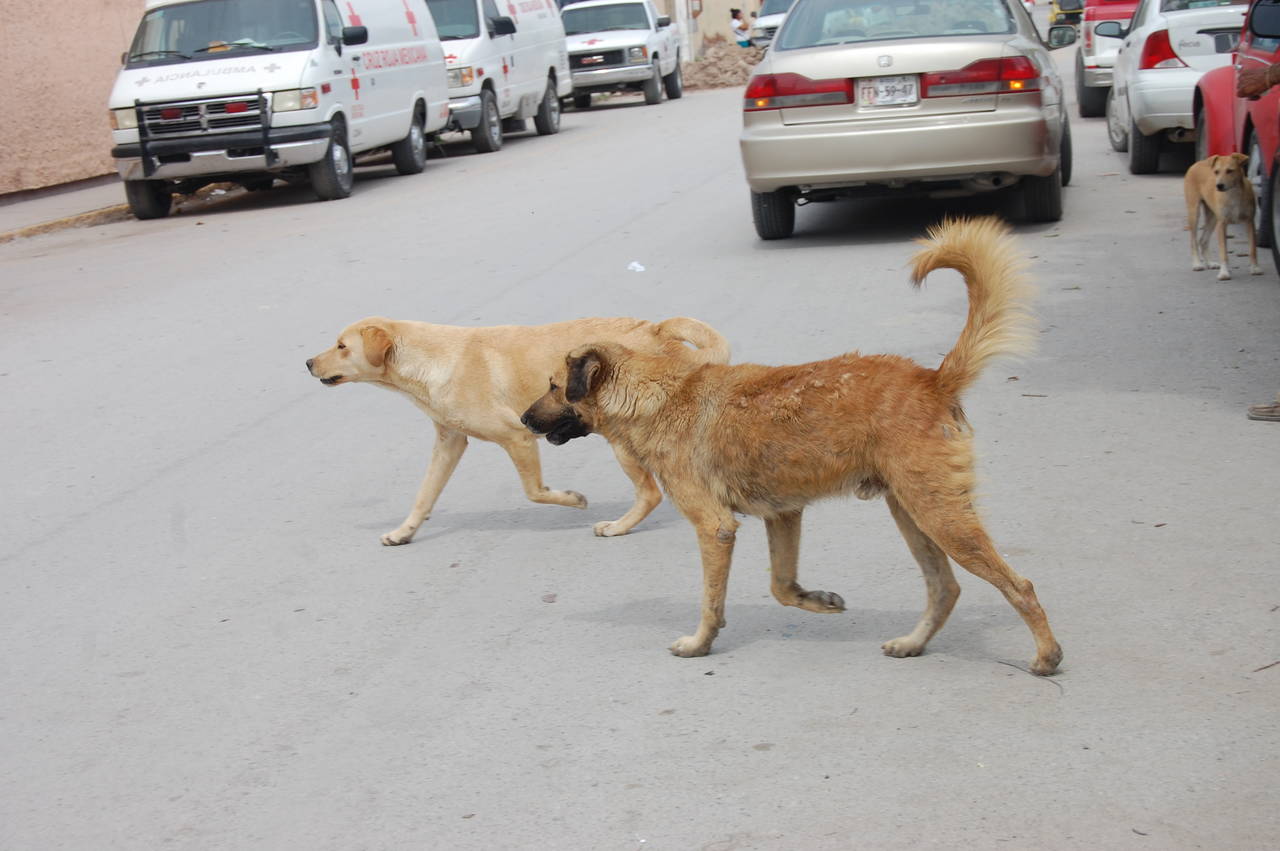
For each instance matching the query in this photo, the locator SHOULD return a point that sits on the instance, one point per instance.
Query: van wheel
(582, 101)
(148, 199)
(1042, 197)
(1144, 151)
(674, 82)
(332, 177)
(486, 137)
(774, 214)
(410, 153)
(653, 87)
(547, 119)
(1117, 135)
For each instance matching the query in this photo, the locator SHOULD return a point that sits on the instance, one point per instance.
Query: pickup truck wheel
(1144, 151)
(1042, 197)
(774, 214)
(1117, 135)
(653, 87)
(582, 101)
(410, 154)
(486, 137)
(674, 82)
(547, 120)
(1257, 176)
(148, 199)
(1091, 101)
(332, 177)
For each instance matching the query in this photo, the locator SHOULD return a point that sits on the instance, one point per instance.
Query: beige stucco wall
(58, 59)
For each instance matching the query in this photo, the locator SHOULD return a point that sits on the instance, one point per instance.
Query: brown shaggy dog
(767, 441)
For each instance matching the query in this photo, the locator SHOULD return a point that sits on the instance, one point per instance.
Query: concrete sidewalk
(82, 203)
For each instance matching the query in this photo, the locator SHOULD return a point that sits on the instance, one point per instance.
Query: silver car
(861, 97)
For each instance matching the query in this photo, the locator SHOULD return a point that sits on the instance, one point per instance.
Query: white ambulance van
(503, 68)
(253, 90)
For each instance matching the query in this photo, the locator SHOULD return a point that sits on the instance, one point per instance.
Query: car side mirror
(1109, 29)
(355, 35)
(501, 25)
(1061, 36)
(1264, 21)
(663, 21)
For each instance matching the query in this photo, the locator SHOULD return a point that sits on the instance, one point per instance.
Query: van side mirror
(663, 21)
(1109, 29)
(1264, 21)
(501, 25)
(355, 35)
(1061, 36)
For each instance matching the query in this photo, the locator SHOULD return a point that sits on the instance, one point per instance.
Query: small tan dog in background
(1219, 186)
(475, 382)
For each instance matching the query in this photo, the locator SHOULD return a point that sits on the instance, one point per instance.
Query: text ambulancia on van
(253, 90)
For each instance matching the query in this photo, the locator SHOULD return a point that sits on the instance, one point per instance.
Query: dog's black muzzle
(559, 432)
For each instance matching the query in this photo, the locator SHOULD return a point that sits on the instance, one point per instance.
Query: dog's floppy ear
(377, 343)
(1240, 159)
(586, 367)
(1213, 161)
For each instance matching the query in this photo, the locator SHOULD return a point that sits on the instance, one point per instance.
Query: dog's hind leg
(648, 495)
(940, 584)
(717, 530)
(523, 449)
(1197, 250)
(947, 516)
(449, 447)
(784, 555)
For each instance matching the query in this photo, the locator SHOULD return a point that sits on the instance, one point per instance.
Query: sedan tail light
(1005, 75)
(1157, 52)
(783, 91)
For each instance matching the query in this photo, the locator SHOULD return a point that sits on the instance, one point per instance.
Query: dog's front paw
(609, 529)
(579, 501)
(1223, 274)
(398, 537)
(822, 602)
(1197, 267)
(1255, 270)
(689, 647)
(903, 647)
(1047, 663)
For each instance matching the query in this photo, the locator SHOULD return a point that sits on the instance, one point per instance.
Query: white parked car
(1164, 49)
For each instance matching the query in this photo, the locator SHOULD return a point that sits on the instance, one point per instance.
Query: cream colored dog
(475, 382)
(1219, 187)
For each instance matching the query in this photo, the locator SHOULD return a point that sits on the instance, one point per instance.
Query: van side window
(332, 22)
(490, 10)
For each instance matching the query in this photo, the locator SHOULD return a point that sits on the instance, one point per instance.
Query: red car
(1226, 124)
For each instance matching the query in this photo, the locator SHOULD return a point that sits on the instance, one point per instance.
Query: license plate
(889, 91)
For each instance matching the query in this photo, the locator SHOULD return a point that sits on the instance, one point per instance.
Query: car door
(1256, 52)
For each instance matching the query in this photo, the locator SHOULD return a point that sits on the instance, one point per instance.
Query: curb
(106, 215)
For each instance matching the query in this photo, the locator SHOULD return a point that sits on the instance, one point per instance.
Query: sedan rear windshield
(1183, 5)
(598, 19)
(216, 29)
(814, 23)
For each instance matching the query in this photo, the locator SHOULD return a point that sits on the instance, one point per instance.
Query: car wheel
(547, 119)
(1064, 153)
(582, 101)
(1116, 132)
(1257, 175)
(653, 87)
(486, 137)
(1273, 190)
(1202, 136)
(410, 154)
(1144, 151)
(1091, 101)
(148, 199)
(1042, 197)
(774, 214)
(674, 82)
(332, 176)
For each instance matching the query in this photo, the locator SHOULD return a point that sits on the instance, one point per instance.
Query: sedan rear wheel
(1117, 134)
(1042, 197)
(774, 214)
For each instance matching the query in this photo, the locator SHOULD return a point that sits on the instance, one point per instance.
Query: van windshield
(598, 19)
(215, 29)
(455, 19)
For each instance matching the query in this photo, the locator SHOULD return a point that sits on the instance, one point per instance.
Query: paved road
(206, 646)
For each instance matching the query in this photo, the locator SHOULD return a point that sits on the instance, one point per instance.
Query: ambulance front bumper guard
(272, 148)
(464, 113)
(604, 78)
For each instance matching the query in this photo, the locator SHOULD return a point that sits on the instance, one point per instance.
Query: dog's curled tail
(1000, 320)
(711, 346)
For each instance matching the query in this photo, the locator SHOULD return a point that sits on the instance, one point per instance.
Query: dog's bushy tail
(711, 346)
(1000, 320)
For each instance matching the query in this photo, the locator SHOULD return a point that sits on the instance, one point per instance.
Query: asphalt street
(206, 647)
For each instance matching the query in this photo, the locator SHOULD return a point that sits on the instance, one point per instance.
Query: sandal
(1267, 413)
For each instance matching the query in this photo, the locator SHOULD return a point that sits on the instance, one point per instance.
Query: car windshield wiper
(145, 53)
(234, 45)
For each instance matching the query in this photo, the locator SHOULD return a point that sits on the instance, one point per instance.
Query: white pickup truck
(622, 45)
